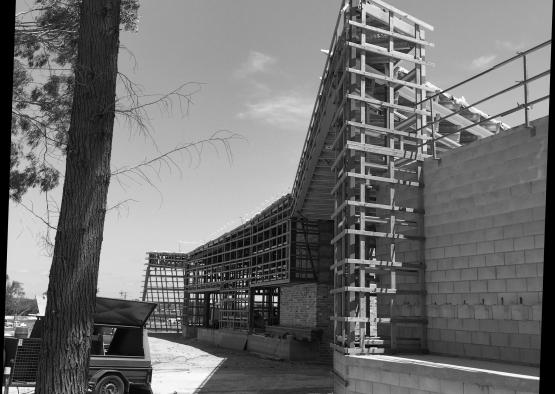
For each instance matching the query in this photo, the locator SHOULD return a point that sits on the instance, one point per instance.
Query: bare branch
(215, 139)
(32, 212)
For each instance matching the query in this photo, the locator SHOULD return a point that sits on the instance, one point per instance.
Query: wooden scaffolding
(378, 245)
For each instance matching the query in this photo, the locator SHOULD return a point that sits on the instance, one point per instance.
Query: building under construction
(406, 230)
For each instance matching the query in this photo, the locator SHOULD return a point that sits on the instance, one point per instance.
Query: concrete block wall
(484, 229)
(405, 375)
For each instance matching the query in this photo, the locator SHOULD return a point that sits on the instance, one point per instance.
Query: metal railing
(526, 106)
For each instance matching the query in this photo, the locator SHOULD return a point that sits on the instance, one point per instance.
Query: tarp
(111, 311)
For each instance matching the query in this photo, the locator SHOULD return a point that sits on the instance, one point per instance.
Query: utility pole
(123, 294)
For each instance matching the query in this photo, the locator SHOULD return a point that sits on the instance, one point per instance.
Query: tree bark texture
(64, 360)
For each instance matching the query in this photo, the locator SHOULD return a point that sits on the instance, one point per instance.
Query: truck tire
(110, 384)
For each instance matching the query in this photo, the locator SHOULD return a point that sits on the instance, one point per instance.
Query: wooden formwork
(378, 245)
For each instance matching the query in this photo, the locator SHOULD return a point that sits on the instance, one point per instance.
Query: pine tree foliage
(45, 42)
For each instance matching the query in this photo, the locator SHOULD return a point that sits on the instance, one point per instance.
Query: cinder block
(533, 256)
(436, 276)
(418, 391)
(471, 388)
(482, 312)
(438, 322)
(534, 284)
(359, 373)
(512, 258)
(399, 390)
(491, 352)
(477, 261)
(501, 312)
(535, 341)
(429, 383)
(513, 231)
(480, 338)
(484, 247)
(529, 298)
(437, 253)
(531, 356)
(391, 378)
(454, 348)
(471, 350)
(465, 312)
(535, 227)
(461, 287)
(503, 245)
(494, 390)
(408, 380)
(539, 241)
(463, 336)
(520, 340)
(457, 262)
(520, 312)
(380, 388)
(468, 249)
(452, 275)
(488, 325)
(497, 285)
(469, 274)
(451, 386)
(493, 234)
(447, 287)
(452, 251)
(494, 259)
(499, 339)
(489, 298)
(454, 323)
(363, 386)
(516, 284)
(529, 327)
(487, 272)
(526, 270)
(507, 298)
(536, 312)
(472, 325)
(522, 243)
(477, 286)
(447, 335)
(505, 271)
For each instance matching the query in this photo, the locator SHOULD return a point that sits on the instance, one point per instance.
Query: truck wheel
(110, 384)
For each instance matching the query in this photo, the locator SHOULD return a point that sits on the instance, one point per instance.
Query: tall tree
(68, 323)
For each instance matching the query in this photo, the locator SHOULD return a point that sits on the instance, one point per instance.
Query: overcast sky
(259, 63)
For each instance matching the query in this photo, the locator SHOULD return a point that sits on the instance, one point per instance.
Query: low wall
(229, 339)
(429, 374)
(285, 349)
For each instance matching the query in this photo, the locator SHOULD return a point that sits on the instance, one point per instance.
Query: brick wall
(298, 305)
(484, 228)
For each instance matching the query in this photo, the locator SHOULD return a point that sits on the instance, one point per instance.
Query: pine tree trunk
(64, 360)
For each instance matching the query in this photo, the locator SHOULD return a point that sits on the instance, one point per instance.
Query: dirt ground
(189, 366)
(183, 366)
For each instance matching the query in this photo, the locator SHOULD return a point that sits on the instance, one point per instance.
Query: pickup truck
(120, 357)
